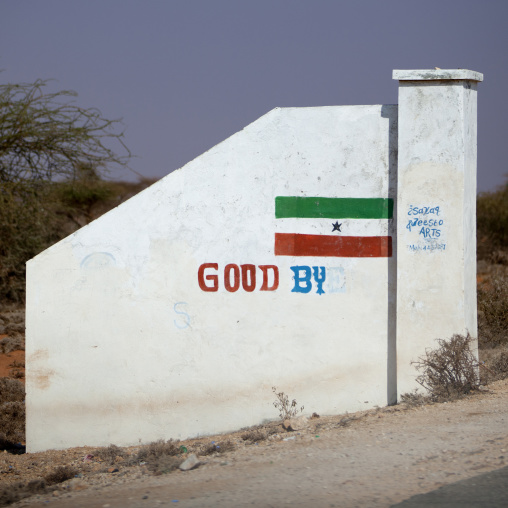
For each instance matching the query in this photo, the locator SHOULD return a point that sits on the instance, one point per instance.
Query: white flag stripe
(348, 227)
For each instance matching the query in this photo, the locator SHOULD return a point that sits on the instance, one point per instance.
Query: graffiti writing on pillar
(425, 220)
(426, 226)
(232, 277)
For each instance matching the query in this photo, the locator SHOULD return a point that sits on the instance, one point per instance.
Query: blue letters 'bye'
(303, 275)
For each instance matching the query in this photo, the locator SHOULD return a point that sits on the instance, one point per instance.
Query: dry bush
(493, 364)
(207, 449)
(12, 421)
(225, 446)
(12, 412)
(60, 474)
(25, 229)
(493, 312)
(492, 221)
(164, 464)
(109, 454)
(161, 456)
(499, 364)
(499, 257)
(11, 390)
(12, 493)
(159, 449)
(9, 344)
(449, 371)
(254, 436)
(216, 447)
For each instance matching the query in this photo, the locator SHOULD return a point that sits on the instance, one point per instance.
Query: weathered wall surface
(174, 314)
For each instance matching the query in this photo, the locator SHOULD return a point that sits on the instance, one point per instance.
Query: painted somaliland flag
(295, 244)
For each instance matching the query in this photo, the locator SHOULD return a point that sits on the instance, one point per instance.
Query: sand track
(378, 459)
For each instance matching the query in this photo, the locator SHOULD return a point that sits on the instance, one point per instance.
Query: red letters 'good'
(275, 285)
(214, 279)
(246, 271)
(227, 278)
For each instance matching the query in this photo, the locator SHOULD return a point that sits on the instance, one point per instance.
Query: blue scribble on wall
(183, 322)
(98, 260)
(429, 247)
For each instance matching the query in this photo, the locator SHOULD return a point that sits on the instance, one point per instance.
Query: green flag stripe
(333, 208)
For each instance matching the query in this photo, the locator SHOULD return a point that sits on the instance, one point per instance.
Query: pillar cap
(437, 74)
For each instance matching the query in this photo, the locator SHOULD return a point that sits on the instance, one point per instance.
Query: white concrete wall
(436, 230)
(123, 346)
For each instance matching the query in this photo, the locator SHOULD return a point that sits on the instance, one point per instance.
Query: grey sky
(184, 75)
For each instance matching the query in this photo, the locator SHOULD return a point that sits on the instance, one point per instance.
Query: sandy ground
(374, 458)
(9, 361)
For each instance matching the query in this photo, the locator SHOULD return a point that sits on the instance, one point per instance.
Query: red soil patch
(6, 361)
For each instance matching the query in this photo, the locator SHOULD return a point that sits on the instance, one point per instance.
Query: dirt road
(378, 460)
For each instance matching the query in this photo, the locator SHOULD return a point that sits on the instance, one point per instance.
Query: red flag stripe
(292, 244)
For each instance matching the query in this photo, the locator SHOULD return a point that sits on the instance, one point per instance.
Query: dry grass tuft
(216, 447)
(164, 464)
(414, 399)
(60, 474)
(254, 436)
(159, 449)
(161, 456)
(12, 493)
(109, 454)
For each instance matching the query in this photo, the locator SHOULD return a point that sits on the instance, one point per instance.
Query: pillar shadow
(391, 113)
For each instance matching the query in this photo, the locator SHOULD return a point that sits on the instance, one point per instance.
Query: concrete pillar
(436, 212)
